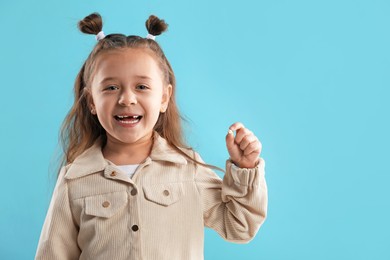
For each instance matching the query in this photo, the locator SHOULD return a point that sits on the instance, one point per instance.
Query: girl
(130, 189)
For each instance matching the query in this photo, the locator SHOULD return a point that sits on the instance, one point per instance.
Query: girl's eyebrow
(143, 77)
(107, 79)
(137, 76)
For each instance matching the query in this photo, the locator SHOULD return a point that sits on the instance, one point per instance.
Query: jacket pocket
(105, 205)
(164, 194)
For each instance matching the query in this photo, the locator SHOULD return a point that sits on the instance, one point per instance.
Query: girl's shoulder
(90, 161)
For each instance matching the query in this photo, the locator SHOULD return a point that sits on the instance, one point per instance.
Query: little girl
(130, 188)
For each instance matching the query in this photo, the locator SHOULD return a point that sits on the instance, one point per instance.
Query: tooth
(133, 117)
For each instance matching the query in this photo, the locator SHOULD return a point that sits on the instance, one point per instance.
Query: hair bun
(91, 24)
(155, 25)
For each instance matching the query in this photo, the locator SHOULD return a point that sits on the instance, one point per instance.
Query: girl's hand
(244, 148)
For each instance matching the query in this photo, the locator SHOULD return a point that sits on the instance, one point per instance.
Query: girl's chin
(130, 139)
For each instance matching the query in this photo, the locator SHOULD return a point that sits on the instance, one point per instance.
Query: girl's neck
(123, 153)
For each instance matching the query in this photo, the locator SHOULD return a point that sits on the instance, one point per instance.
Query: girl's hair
(81, 128)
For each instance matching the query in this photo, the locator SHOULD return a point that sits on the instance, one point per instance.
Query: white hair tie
(100, 36)
(150, 36)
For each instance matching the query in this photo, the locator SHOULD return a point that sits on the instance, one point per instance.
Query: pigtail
(91, 24)
(155, 25)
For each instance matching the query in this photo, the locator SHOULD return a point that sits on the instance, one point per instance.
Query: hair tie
(100, 36)
(150, 36)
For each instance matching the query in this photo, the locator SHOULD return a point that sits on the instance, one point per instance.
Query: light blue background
(310, 78)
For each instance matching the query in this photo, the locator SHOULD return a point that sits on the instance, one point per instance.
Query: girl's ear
(91, 106)
(167, 92)
(93, 110)
(90, 103)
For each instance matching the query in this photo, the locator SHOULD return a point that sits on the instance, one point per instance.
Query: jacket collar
(92, 160)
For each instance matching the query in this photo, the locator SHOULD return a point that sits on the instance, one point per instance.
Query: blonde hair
(81, 128)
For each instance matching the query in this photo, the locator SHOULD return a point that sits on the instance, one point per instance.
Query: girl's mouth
(125, 119)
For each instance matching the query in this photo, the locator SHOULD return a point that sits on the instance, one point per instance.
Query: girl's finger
(236, 126)
(241, 134)
(247, 140)
(254, 147)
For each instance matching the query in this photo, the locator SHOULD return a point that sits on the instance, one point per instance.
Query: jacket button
(106, 204)
(113, 174)
(134, 228)
(166, 192)
(133, 192)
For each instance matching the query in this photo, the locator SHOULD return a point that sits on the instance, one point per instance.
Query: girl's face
(128, 94)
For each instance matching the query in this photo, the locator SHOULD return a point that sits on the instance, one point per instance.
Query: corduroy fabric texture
(97, 212)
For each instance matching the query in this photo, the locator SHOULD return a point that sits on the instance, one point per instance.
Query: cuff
(245, 176)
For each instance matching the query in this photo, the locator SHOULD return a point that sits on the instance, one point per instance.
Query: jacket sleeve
(58, 238)
(236, 206)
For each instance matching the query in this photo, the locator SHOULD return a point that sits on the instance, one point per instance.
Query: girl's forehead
(126, 55)
(127, 60)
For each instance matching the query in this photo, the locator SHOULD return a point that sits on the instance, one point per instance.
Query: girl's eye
(111, 87)
(141, 87)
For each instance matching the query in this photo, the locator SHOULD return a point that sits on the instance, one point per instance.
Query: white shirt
(129, 169)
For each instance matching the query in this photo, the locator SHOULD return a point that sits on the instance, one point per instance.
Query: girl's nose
(127, 98)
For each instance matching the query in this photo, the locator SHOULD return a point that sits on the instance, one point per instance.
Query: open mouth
(128, 119)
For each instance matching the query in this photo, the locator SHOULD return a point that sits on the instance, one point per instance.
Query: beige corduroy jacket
(98, 212)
